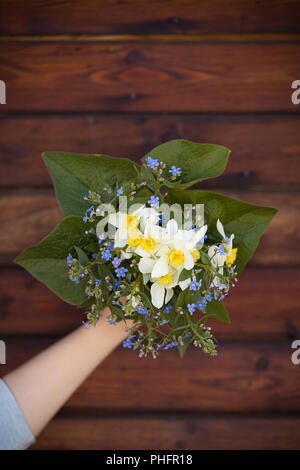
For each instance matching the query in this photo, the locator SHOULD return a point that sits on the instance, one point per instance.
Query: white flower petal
(184, 284)
(221, 229)
(169, 295)
(120, 238)
(117, 219)
(172, 227)
(126, 255)
(146, 265)
(217, 259)
(188, 260)
(200, 234)
(144, 254)
(160, 267)
(157, 294)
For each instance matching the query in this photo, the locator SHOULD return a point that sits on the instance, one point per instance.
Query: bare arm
(42, 385)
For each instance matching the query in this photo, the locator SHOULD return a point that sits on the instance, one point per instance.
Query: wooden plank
(265, 149)
(264, 304)
(168, 432)
(143, 17)
(245, 377)
(149, 77)
(26, 218)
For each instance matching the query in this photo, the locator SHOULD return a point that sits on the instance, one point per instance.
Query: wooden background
(120, 77)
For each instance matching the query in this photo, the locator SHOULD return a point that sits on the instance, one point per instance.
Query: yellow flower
(134, 240)
(176, 257)
(165, 280)
(195, 254)
(130, 222)
(231, 258)
(148, 244)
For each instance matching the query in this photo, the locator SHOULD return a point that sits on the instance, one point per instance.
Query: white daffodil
(227, 244)
(162, 287)
(178, 250)
(149, 242)
(219, 255)
(126, 224)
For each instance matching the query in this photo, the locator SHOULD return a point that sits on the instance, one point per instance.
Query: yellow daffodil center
(176, 257)
(195, 254)
(148, 244)
(231, 258)
(134, 240)
(130, 222)
(165, 280)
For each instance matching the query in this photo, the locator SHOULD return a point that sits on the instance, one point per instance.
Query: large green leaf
(46, 261)
(246, 221)
(197, 161)
(216, 308)
(74, 174)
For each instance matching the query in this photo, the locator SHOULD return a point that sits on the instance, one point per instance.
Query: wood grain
(265, 149)
(120, 77)
(25, 218)
(169, 432)
(143, 17)
(264, 304)
(246, 376)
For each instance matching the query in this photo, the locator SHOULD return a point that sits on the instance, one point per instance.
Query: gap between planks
(165, 38)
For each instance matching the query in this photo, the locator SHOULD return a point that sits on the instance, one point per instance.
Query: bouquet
(135, 239)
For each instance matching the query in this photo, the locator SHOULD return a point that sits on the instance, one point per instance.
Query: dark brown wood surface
(246, 376)
(171, 432)
(144, 17)
(265, 149)
(120, 77)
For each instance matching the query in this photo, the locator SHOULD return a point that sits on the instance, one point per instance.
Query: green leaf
(185, 297)
(216, 308)
(185, 274)
(197, 161)
(204, 257)
(75, 174)
(46, 261)
(182, 349)
(92, 247)
(82, 257)
(117, 311)
(247, 221)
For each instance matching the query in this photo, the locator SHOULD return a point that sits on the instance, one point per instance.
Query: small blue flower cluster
(175, 172)
(106, 250)
(76, 272)
(200, 305)
(121, 272)
(168, 308)
(153, 201)
(94, 290)
(194, 285)
(89, 215)
(142, 310)
(128, 342)
(152, 162)
(221, 250)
